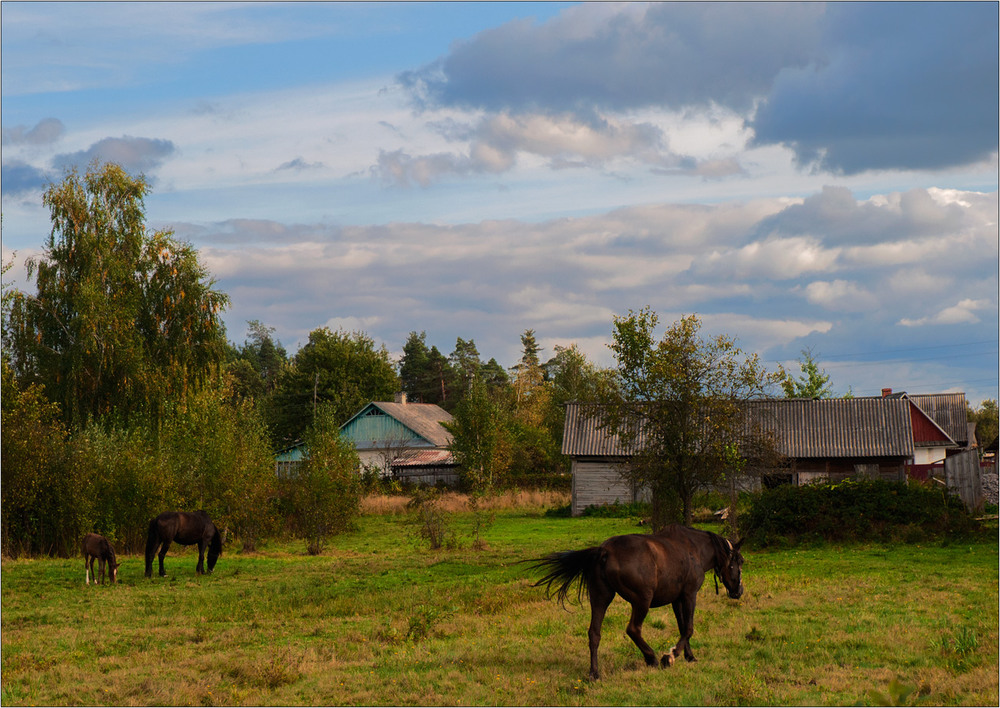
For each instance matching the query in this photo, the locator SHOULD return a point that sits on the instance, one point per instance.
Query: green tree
(812, 383)
(425, 374)
(986, 419)
(122, 320)
(44, 499)
(341, 371)
(326, 493)
(465, 362)
(481, 440)
(679, 405)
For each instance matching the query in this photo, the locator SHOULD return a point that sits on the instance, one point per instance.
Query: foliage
(326, 493)
(619, 510)
(854, 510)
(481, 440)
(433, 523)
(813, 383)
(228, 473)
(987, 421)
(679, 406)
(340, 371)
(44, 505)
(122, 320)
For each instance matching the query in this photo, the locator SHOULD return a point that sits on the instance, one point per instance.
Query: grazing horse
(97, 548)
(186, 528)
(647, 570)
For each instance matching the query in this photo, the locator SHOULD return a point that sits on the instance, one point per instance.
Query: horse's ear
(736, 546)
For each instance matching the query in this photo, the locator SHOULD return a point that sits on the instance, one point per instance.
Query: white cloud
(840, 295)
(962, 313)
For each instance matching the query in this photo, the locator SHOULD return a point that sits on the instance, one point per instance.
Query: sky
(802, 177)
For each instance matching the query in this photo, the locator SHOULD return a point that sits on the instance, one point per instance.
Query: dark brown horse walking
(98, 548)
(186, 528)
(647, 570)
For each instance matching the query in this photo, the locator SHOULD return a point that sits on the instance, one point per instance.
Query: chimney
(886, 392)
(401, 398)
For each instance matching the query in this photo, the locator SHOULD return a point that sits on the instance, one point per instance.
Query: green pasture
(380, 618)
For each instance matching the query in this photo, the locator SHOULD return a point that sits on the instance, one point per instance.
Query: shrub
(326, 494)
(853, 510)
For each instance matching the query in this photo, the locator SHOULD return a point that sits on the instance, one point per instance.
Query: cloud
(496, 143)
(44, 132)
(20, 178)
(840, 295)
(902, 86)
(618, 57)
(299, 164)
(848, 87)
(134, 154)
(962, 313)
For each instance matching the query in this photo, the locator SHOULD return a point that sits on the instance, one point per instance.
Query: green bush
(617, 510)
(325, 496)
(853, 510)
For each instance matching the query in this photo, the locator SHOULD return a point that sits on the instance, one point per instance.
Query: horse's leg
(640, 609)
(684, 612)
(163, 554)
(100, 570)
(200, 568)
(600, 598)
(86, 566)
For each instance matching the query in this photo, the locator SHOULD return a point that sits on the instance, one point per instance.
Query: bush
(325, 496)
(853, 510)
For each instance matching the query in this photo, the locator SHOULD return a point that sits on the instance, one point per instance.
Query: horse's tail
(566, 567)
(152, 541)
(214, 548)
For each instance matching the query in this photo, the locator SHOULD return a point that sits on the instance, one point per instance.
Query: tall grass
(380, 619)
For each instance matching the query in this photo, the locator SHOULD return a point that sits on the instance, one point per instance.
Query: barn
(820, 439)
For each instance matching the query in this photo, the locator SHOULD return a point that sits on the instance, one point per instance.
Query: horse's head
(113, 564)
(730, 568)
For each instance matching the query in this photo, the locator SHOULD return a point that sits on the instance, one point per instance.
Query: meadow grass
(381, 619)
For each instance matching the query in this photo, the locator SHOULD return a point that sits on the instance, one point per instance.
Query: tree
(341, 371)
(679, 405)
(425, 374)
(326, 493)
(466, 363)
(813, 383)
(986, 419)
(122, 320)
(481, 440)
(573, 377)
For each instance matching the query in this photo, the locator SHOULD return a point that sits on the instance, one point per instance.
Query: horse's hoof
(690, 658)
(595, 676)
(667, 660)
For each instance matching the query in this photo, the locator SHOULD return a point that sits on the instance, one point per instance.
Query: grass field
(381, 619)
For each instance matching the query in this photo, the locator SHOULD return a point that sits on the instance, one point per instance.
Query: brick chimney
(886, 392)
(401, 398)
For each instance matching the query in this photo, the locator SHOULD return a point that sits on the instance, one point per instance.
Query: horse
(98, 548)
(186, 528)
(648, 570)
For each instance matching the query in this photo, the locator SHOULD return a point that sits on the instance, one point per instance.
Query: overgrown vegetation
(855, 510)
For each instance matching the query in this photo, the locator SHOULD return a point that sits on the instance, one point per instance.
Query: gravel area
(990, 487)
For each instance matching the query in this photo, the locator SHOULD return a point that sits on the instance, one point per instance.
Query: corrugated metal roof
(424, 458)
(948, 410)
(851, 427)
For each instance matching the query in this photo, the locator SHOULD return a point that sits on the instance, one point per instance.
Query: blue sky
(801, 176)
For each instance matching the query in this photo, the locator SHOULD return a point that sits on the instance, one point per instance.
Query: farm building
(829, 439)
(404, 440)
